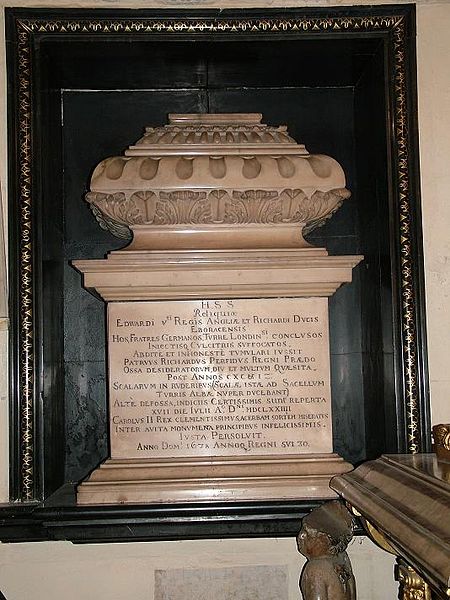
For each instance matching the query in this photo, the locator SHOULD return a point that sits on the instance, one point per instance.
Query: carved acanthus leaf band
(117, 213)
(27, 28)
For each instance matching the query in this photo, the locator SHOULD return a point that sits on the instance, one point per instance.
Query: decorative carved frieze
(117, 212)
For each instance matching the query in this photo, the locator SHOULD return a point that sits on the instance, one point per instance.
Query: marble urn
(216, 181)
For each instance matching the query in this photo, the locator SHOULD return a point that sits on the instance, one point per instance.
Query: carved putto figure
(323, 539)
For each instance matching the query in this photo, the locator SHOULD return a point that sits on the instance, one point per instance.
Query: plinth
(218, 351)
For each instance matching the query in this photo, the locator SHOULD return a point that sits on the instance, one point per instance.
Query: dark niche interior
(95, 97)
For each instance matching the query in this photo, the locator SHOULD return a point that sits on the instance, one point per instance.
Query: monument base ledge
(209, 479)
(188, 274)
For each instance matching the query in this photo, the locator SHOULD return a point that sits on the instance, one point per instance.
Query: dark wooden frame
(28, 518)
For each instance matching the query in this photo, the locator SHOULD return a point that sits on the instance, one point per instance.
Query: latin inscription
(219, 377)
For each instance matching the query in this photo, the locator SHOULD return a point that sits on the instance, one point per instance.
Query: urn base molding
(212, 479)
(182, 274)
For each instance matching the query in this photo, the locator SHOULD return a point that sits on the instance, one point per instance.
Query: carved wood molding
(405, 503)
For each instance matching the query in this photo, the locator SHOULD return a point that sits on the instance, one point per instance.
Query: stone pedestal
(219, 382)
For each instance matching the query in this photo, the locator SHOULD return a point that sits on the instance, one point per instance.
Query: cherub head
(326, 531)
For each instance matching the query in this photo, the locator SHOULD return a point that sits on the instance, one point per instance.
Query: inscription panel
(219, 378)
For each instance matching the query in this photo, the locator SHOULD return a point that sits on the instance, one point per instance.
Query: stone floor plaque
(218, 350)
(219, 377)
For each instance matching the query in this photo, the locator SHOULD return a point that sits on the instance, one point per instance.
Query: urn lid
(207, 133)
